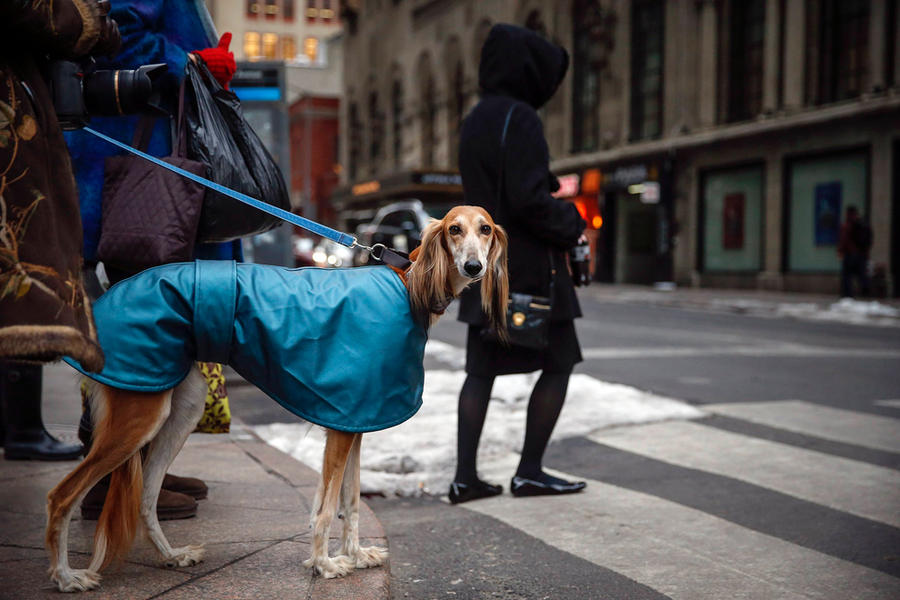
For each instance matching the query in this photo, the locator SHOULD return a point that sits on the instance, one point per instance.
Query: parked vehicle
(398, 225)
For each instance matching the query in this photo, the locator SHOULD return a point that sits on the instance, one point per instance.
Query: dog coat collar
(337, 347)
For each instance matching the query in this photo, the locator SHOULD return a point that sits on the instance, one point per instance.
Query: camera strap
(379, 251)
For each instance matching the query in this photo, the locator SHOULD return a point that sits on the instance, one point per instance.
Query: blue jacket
(153, 31)
(337, 347)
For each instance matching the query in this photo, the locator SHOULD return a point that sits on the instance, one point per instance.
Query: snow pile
(419, 456)
(847, 310)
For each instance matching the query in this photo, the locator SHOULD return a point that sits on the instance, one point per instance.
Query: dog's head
(463, 247)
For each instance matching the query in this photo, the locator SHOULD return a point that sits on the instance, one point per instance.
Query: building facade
(709, 142)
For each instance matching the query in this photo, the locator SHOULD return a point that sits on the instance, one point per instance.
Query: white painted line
(858, 488)
(861, 429)
(681, 552)
(779, 350)
(888, 403)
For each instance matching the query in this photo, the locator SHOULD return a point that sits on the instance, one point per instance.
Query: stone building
(708, 142)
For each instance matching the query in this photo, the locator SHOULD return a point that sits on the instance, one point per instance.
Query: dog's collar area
(389, 256)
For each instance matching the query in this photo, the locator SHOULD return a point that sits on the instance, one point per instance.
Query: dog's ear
(428, 280)
(495, 285)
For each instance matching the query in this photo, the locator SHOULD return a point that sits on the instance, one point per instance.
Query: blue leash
(341, 238)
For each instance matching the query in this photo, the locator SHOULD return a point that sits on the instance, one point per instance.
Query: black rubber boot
(24, 435)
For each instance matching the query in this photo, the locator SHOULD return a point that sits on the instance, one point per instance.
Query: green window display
(732, 220)
(820, 191)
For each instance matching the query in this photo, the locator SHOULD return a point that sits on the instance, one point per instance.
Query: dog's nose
(472, 267)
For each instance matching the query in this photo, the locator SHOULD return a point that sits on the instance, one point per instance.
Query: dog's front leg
(337, 449)
(188, 401)
(371, 556)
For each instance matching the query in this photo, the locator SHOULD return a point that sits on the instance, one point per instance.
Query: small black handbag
(527, 316)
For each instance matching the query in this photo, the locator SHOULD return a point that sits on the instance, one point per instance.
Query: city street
(785, 487)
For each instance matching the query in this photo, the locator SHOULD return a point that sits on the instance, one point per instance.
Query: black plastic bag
(219, 136)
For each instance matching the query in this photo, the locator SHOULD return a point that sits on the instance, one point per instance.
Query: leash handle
(341, 238)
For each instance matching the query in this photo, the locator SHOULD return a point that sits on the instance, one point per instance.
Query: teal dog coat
(337, 347)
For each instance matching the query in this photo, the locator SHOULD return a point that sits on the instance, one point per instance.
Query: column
(770, 278)
(794, 53)
(709, 50)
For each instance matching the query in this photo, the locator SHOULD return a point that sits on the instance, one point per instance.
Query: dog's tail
(119, 522)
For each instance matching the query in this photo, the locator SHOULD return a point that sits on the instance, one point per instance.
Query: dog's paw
(370, 556)
(330, 567)
(187, 556)
(76, 580)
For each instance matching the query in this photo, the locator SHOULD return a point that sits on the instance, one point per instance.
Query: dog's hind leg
(370, 556)
(187, 407)
(124, 421)
(337, 449)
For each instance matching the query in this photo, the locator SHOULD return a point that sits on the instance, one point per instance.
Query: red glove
(219, 60)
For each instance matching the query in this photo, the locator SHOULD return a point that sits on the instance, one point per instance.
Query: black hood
(519, 63)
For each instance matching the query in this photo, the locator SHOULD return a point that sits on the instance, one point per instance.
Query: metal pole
(309, 208)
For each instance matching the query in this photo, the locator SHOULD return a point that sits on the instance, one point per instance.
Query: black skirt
(487, 358)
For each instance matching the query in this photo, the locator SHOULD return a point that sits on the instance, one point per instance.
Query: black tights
(544, 407)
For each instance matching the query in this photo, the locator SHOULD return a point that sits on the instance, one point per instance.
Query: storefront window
(252, 48)
(288, 47)
(732, 220)
(311, 48)
(820, 190)
(270, 45)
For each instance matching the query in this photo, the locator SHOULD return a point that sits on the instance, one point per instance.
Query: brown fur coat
(44, 311)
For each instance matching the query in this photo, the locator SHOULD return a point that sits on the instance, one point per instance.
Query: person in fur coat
(44, 310)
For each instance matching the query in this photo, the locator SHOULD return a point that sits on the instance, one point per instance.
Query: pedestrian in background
(170, 32)
(854, 243)
(44, 309)
(507, 173)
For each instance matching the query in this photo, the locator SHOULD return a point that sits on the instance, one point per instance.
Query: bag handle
(180, 148)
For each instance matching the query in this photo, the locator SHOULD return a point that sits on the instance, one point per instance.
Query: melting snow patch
(847, 310)
(419, 456)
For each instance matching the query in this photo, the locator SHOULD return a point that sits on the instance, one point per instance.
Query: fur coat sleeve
(44, 311)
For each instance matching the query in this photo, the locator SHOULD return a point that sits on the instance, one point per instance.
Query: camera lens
(120, 92)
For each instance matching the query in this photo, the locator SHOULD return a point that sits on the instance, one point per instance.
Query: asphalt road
(751, 502)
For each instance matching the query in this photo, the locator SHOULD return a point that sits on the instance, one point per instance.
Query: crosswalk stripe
(681, 552)
(854, 487)
(861, 429)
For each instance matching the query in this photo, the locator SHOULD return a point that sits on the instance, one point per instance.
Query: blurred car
(398, 225)
(303, 251)
(332, 254)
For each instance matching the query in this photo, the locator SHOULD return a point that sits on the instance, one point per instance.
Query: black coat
(518, 68)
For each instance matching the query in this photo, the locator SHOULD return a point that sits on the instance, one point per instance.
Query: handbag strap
(143, 132)
(500, 204)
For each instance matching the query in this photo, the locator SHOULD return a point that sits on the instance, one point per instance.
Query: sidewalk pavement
(255, 523)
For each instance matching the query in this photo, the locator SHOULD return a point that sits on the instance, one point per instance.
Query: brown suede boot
(169, 506)
(189, 486)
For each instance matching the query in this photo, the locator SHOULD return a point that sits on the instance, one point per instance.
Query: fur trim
(48, 343)
(90, 26)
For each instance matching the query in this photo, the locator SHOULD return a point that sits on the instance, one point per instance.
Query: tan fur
(125, 421)
(130, 419)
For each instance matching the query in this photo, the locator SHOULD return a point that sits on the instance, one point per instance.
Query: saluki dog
(463, 247)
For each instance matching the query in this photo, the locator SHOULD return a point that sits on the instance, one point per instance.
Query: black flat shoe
(38, 445)
(461, 492)
(522, 487)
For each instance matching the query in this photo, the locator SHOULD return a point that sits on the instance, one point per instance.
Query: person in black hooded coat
(519, 72)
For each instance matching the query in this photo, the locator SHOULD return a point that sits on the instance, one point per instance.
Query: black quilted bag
(149, 215)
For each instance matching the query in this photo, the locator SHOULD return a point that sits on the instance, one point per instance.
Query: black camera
(80, 90)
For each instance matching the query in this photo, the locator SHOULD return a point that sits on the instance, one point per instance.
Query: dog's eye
(454, 230)
(486, 229)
